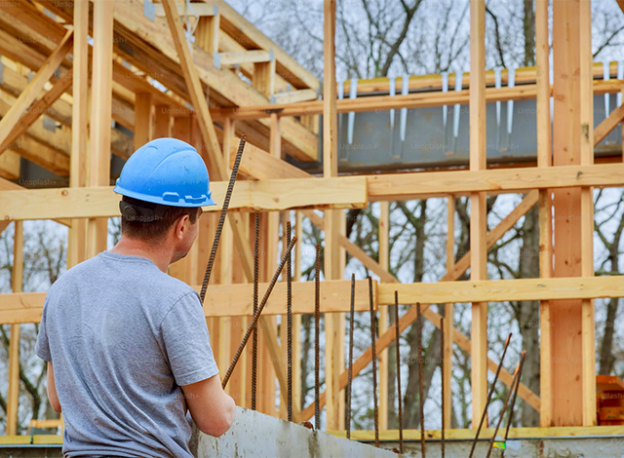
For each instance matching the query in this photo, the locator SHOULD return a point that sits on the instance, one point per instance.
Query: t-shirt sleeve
(187, 343)
(42, 347)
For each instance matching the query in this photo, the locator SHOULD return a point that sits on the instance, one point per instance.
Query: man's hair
(155, 229)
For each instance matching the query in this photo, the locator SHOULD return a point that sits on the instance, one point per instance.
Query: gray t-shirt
(123, 337)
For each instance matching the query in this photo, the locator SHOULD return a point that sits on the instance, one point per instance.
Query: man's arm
(52, 396)
(212, 409)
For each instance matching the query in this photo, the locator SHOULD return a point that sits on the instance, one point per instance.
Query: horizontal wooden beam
(269, 195)
(225, 300)
(386, 102)
(302, 95)
(245, 57)
(469, 434)
(526, 289)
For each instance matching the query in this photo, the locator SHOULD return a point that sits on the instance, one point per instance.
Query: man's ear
(179, 226)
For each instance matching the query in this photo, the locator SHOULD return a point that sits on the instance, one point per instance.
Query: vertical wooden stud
(162, 121)
(449, 312)
(142, 119)
(478, 210)
(384, 225)
(17, 276)
(100, 131)
(76, 243)
(544, 159)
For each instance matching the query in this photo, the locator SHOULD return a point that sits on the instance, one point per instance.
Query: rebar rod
(503, 410)
(289, 320)
(256, 316)
(350, 382)
(374, 349)
(398, 368)
(421, 388)
(489, 398)
(226, 204)
(317, 341)
(513, 400)
(254, 341)
(442, 445)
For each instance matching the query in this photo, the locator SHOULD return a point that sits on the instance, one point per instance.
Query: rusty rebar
(226, 204)
(442, 445)
(515, 395)
(421, 388)
(504, 409)
(317, 341)
(289, 334)
(398, 368)
(374, 349)
(489, 398)
(254, 341)
(256, 316)
(350, 382)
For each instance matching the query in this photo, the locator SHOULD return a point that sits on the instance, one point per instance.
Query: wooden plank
(478, 207)
(76, 242)
(544, 159)
(609, 383)
(207, 33)
(17, 278)
(245, 57)
(26, 98)
(565, 316)
(384, 262)
(588, 314)
(302, 95)
(100, 121)
(469, 434)
(162, 121)
(143, 119)
(40, 107)
(10, 165)
(449, 313)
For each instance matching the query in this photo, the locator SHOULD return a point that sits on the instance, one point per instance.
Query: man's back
(123, 337)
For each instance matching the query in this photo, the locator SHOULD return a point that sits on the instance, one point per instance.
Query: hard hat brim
(202, 201)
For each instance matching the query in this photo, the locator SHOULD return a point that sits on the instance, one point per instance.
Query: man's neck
(157, 253)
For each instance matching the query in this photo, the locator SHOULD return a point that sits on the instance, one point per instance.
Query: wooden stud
(14, 364)
(449, 312)
(76, 243)
(100, 128)
(297, 388)
(588, 323)
(544, 159)
(478, 209)
(207, 33)
(162, 121)
(384, 261)
(264, 78)
(142, 119)
(565, 316)
(245, 57)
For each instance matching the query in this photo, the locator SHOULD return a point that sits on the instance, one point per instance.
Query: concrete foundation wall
(256, 435)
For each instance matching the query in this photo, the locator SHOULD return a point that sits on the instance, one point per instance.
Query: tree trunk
(529, 33)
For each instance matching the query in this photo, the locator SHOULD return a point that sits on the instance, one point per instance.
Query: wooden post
(478, 210)
(449, 312)
(207, 33)
(297, 321)
(16, 286)
(588, 324)
(100, 131)
(142, 119)
(76, 243)
(332, 217)
(544, 159)
(384, 226)
(565, 315)
(162, 121)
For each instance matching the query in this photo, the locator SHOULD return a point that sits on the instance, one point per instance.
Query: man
(127, 345)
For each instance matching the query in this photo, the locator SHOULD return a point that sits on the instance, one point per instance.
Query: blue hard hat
(166, 171)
